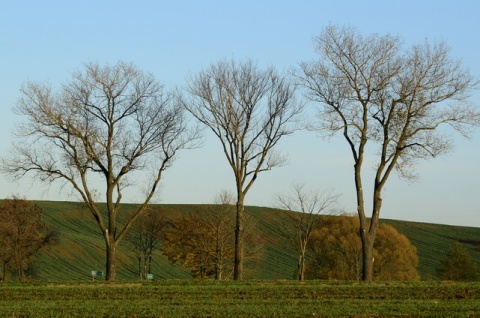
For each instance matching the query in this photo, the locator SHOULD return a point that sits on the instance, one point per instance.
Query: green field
(187, 298)
(81, 248)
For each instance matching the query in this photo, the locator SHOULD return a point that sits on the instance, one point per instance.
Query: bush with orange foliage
(336, 252)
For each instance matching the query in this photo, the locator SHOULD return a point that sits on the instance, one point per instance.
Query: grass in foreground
(241, 299)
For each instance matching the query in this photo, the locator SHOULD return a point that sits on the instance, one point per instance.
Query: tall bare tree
(304, 212)
(249, 110)
(376, 92)
(107, 123)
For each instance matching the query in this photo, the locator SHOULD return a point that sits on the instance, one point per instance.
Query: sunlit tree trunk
(301, 267)
(239, 240)
(367, 255)
(110, 265)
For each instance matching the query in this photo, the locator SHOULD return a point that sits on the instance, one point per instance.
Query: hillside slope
(81, 248)
(434, 240)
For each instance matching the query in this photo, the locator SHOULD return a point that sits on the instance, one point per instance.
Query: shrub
(336, 252)
(457, 265)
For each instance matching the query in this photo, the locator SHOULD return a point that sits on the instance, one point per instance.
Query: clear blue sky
(47, 40)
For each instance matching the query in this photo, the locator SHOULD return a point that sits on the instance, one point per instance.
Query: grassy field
(81, 247)
(186, 298)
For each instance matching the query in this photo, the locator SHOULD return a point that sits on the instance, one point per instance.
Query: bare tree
(303, 215)
(219, 221)
(249, 110)
(145, 237)
(107, 123)
(373, 91)
(204, 240)
(22, 235)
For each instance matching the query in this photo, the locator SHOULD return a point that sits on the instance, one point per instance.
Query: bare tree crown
(374, 89)
(248, 109)
(109, 120)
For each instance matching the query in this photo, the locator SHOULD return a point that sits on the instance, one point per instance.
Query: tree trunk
(301, 267)
(218, 259)
(239, 240)
(20, 272)
(367, 255)
(149, 263)
(301, 260)
(219, 271)
(139, 258)
(365, 236)
(368, 235)
(111, 249)
(4, 274)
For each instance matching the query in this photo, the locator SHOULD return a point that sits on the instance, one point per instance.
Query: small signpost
(149, 276)
(96, 274)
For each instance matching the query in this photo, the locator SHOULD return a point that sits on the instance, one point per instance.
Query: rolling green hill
(81, 248)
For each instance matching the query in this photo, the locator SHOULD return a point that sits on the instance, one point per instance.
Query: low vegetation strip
(182, 298)
(80, 247)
